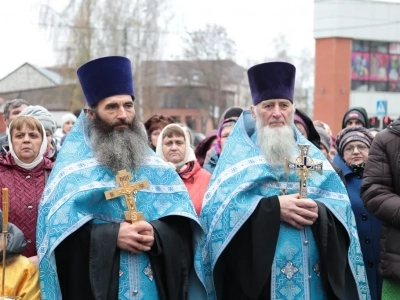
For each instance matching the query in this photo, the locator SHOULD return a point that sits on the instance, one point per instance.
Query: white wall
(25, 78)
(368, 101)
(357, 19)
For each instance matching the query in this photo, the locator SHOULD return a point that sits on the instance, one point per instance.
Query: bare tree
(212, 52)
(304, 69)
(87, 29)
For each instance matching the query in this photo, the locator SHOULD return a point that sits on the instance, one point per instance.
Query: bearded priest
(271, 234)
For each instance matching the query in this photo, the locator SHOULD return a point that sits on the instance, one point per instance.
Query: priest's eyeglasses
(350, 149)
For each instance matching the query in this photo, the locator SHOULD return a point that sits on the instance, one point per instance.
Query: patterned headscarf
(351, 134)
(223, 124)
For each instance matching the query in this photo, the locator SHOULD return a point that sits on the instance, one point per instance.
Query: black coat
(88, 260)
(248, 257)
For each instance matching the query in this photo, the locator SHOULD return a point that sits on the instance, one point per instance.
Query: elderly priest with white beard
(280, 224)
(115, 221)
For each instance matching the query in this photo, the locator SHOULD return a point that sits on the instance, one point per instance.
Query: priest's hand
(298, 212)
(136, 238)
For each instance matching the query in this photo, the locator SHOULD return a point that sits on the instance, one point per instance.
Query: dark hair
(157, 122)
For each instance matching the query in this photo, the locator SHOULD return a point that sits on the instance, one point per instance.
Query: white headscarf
(189, 153)
(38, 158)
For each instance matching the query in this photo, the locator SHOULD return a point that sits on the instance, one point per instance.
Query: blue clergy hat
(273, 80)
(105, 77)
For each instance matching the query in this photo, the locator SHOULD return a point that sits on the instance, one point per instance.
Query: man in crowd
(93, 248)
(12, 108)
(264, 241)
(355, 116)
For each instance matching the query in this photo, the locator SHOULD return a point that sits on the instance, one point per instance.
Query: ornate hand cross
(123, 178)
(303, 166)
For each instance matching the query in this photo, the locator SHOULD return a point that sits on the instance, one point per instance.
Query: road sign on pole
(381, 108)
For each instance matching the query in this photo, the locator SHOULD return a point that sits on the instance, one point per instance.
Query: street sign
(381, 108)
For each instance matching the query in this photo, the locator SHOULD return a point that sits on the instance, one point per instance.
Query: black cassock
(88, 260)
(245, 265)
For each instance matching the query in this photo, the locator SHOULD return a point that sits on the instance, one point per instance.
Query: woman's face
(49, 137)
(226, 131)
(302, 130)
(26, 143)
(154, 137)
(355, 153)
(67, 126)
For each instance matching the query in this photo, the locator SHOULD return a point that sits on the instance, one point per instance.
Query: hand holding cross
(128, 190)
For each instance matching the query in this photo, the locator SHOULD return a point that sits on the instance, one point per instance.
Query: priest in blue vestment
(92, 248)
(264, 241)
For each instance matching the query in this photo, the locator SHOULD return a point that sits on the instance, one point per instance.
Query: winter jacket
(25, 188)
(368, 229)
(212, 163)
(380, 192)
(196, 181)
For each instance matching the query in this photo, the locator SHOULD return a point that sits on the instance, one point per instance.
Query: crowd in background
(27, 160)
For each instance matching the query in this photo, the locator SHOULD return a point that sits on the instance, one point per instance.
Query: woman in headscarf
(49, 124)
(24, 171)
(174, 147)
(353, 145)
(223, 132)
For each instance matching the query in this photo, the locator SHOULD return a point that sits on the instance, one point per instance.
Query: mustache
(120, 123)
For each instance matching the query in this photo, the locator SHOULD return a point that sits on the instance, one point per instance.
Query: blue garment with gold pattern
(241, 179)
(74, 195)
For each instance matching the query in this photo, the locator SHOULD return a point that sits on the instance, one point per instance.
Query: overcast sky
(252, 24)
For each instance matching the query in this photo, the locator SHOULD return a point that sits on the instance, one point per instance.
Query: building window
(379, 47)
(375, 66)
(360, 46)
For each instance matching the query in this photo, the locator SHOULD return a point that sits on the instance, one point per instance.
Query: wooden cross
(126, 189)
(303, 165)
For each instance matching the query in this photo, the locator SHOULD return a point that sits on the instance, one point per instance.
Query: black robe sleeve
(88, 263)
(247, 260)
(172, 262)
(88, 260)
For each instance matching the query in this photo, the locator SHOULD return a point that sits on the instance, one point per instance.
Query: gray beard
(276, 144)
(118, 149)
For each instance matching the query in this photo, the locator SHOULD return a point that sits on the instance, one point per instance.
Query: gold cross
(303, 165)
(123, 178)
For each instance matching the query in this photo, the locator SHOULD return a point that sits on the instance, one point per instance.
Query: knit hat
(356, 113)
(43, 115)
(351, 134)
(325, 139)
(68, 117)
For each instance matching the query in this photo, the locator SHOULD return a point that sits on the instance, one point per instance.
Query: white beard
(276, 143)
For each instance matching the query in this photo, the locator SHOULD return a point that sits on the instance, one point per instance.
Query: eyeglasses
(350, 149)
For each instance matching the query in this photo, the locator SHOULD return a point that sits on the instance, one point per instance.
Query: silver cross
(289, 270)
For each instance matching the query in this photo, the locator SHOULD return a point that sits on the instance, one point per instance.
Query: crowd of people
(270, 205)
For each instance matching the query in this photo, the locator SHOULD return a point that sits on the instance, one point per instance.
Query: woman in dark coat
(353, 145)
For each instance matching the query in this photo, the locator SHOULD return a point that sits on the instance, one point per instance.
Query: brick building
(357, 58)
